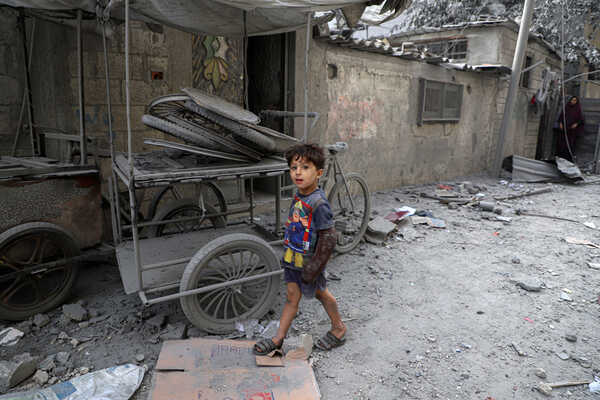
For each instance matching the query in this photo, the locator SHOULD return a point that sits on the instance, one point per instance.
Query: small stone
(60, 371)
(47, 364)
(544, 388)
(10, 336)
(516, 260)
(175, 332)
(84, 324)
(41, 377)
(563, 355)
(157, 321)
(84, 370)
(74, 342)
(540, 373)
(41, 320)
(75, 312)
(530, 284)
(63, 336)
(16, 370)
(62, 357)
(140, 357)
(565, 297)
(571, 338)
(52, 380)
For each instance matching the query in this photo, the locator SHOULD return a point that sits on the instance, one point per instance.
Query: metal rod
(513, 88)
(597, 153)
(131, 186)
(251, 200)
(192, 218)
(286, 74)
(113, 217)
(82, 139)
(308, 17)
(176, 261)
(214, 287)
(25, 97)
(28, 86)
(278, 204)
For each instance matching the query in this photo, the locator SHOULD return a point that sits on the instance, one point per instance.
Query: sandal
(265, 346)
(329, 341)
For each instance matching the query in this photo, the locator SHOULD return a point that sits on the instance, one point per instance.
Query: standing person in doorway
(571, 123)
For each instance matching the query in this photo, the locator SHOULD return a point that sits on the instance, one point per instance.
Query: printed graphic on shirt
(298, 233)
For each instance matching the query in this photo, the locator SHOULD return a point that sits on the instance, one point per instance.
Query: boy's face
(305, 175)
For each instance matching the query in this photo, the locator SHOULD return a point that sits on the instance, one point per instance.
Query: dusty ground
(431, 314)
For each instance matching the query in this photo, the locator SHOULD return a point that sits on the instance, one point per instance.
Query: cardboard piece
(213, 369)
(273, 359)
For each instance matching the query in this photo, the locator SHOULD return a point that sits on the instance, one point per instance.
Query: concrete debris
(41, 377)
(541, 373)
(47, 363)
(41, 320)
(594, 265)
(75, 312)
(174, 332)
(63, 336)
(584, 362)
(15, 371)
(565, 297)
(515, 260)
(140, 357)
(378, 230)
(62, 357)
(531, 284)
(563, 355)
(157, 321)
(10, 336)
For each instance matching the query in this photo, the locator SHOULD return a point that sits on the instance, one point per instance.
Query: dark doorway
(271, 61)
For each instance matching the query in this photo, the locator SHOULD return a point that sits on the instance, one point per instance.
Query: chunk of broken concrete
(15, 371)
(378, 230)
(540, 373)
(75, 312)
(41, 320)
(41, 377)
(10, 336)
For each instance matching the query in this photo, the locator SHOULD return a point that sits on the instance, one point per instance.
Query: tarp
(216, 17)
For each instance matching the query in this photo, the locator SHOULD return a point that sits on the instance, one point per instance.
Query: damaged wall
(372, 104)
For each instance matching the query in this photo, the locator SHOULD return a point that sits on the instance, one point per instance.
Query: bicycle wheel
(181, 209)
(228, 258)
(211, 194)
(25, 290)
(351, 206)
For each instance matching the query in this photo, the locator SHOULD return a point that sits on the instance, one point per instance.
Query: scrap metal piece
(528, 170)
(221, 106)
(195, 150)
(568, 169)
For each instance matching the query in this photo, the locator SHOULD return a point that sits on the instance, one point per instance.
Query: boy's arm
(323, 251)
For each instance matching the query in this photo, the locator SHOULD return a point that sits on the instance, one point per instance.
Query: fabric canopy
(216, 17)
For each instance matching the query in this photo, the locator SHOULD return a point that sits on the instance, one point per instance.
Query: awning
(216, 17)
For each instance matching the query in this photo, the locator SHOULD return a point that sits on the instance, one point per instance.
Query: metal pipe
(82, 139)
(278, 204)
(163, 264)
(308, 17)
(117, 205)
(131, 185)
(513, 88)
(251, 200)
(113, 217)
(192, 218)
(25, 92)
(214, 287)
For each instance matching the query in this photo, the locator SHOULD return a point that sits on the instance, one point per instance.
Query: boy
(309, 240)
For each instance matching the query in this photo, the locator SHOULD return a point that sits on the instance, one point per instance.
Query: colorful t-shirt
(308, 214)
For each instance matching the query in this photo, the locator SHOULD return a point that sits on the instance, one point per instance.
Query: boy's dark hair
(311, 152)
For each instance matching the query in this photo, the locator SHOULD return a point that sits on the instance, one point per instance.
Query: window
(439, 101)
(525, 76)
(455, 49)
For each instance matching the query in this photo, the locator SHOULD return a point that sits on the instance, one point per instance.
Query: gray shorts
(307, 289)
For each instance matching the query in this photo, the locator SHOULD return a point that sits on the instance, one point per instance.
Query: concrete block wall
(372, 104)
(11, 80)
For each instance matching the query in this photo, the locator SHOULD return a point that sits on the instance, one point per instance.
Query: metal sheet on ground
(221, 106)
(226, 369)
(528, 170)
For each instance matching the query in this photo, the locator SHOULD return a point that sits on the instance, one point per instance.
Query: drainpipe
(513, 88)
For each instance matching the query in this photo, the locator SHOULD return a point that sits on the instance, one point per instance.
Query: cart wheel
(26, 291)
(180, 209)
(212, 194)
(226, 259)
(351, 207)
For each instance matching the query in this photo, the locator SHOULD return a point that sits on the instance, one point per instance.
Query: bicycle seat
(338, 147)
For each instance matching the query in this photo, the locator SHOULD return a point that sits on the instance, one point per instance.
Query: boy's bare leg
(290, 309)
(338, 328)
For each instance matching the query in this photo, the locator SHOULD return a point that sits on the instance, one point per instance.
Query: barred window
(439, 101)
(454, 49)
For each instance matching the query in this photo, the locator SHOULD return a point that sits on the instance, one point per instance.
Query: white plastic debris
(595, 386)
(115, 383)
(10, 336)
(590, 224)
(270, 330)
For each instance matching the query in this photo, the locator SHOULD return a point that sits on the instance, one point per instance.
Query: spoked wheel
(25, 288)
(210, 192)
(225, 260)
(351, 207)
(181, 209)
